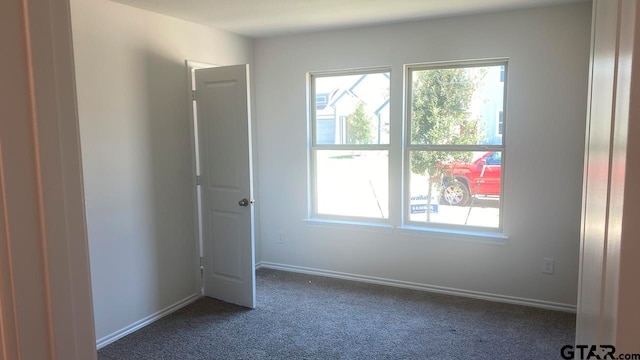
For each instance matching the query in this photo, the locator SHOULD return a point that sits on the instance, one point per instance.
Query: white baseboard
(104, 341)
(259, 264)
(424, 287)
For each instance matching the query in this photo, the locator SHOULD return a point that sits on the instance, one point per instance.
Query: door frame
(192, 65)
(61, 324)
(607, 289)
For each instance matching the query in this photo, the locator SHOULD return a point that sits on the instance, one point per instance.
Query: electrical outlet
(547, 265)
(280, 239)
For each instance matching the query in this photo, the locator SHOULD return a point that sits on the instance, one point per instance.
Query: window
(350, 145)
(447, 171)
(453, 153)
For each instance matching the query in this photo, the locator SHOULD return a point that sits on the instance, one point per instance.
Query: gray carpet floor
(309, 317)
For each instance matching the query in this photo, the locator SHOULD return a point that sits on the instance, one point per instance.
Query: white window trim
(397, 221)
(314, 147)
(467, 235)
(408, 147)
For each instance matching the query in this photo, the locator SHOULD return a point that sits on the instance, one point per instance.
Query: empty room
(337, 179)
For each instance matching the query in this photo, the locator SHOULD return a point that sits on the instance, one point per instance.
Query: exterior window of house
(350, 145)
(455, 145)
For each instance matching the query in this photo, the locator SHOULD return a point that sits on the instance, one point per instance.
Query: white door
(224, 133)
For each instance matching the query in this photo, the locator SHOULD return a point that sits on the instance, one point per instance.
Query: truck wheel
(455, 193)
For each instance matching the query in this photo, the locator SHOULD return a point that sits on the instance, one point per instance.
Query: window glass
(352, 109)
(352, 183)
(456, 106)
(456, 122)
(350, 147)
(465, 191)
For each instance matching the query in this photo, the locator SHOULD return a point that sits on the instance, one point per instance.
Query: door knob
(243, 202)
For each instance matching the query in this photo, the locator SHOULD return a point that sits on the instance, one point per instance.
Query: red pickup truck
(466, 180)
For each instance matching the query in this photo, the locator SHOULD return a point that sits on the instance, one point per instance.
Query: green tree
(359, 129)
(440, 103)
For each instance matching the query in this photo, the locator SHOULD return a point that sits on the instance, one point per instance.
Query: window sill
(352, 225)
(495, 238)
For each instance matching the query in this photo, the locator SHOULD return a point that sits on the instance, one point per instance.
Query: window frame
(314, 147)
(408, 147)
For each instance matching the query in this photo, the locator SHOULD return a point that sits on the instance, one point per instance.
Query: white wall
(549, 52)
(134, 124)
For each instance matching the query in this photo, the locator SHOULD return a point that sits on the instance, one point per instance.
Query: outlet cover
(547, 265)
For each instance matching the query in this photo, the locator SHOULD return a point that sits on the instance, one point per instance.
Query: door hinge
(193, 95)
(197, 179)
(201, 275)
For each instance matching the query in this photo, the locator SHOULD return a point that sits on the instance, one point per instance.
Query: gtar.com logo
(594, 352)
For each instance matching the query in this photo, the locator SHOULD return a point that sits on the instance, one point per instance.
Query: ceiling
(263, 18)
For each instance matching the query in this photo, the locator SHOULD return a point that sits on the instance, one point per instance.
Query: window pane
(457, 106)
(464, 187)
(352, 109)
(352, 183)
